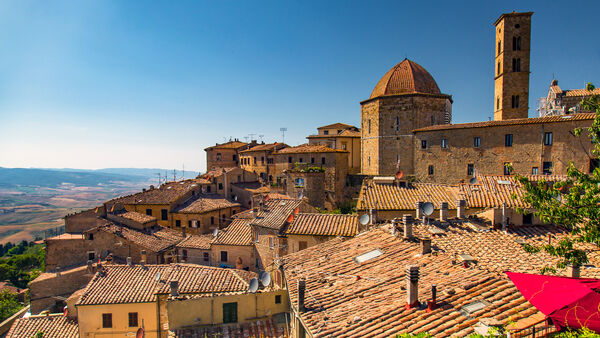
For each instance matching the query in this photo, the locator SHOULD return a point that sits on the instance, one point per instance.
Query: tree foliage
(9, 305)
(573, 203)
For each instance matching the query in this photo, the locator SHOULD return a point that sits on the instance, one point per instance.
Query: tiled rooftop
(201, 242)
(581, 92)
(216, 172)
(337, 125)
(533, 120)
(324, 225)
(165, 194)
(137, 217)
(228, 145)
(265, 147)
(52, 326)
(349, 299)
(137, 284)
(309, 148)
(391, 197)
(238, 232)
(156, 240)
(405, 78)
(259, 328)
(202, 203)
(276, 212)
(254, 187)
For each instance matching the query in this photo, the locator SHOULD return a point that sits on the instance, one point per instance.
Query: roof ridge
(235, 273)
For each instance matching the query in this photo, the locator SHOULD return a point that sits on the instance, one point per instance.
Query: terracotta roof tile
(533, 120)
(337, 125)
(165, 194)
(228, 145)
(137, 217)
(581, 92)
(216, 172)
(196, 242)
(391, 197)
(309, 148)
(238, 232)
(202, 203)
(137, 284)
(53, 326)
(324, 225)
(266, 147)
(405, 78)
(156, 239)
(276, 213)
(349, 299)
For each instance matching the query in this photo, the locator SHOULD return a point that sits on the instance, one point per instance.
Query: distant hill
(55, 177)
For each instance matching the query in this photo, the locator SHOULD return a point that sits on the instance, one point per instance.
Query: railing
(538, 329)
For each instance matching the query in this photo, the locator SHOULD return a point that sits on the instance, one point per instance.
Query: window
(183, 255)
(223, 256)
(368, 256)
(91, 255)
(516, 63)
(499, 47)
(508, 140)
(107, 320)
(277, 299)
(262, 160)
(271, 242)
(91, 237)
(301, 160)
(527, 218)
(164, 214)
(212, 219)
(476, 141)
(208, 188)
(239, 178)
(178, 223)
(369, 160)
(205, 256)
(149, 212)
(326, 132)
(497, 103)
(220, 186)
(256, 237)
(289, 159)
(507, 168)
(369, 123)
(516, 43)
(470, 169)
(444, 143)
(534, 171)
(498, 68)
(133, 319)
(312, 160)
(229, 313)
(515, 101)
(344, 146)
(547, 169)
(397, 123)
(322, 160)
(302, 245)
(548, 139)
(423, 144)
(189, 224)
(254, 160)
(218, 156)
(594, 163)
(430, 170)
(234, 157)
(299, 183)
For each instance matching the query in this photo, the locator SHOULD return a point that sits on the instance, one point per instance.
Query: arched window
(499, 68)
(499, 47)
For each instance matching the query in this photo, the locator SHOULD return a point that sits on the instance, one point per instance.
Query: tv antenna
(283, 130)
(246, 138)
(261, 137)
(251, 137)
(158, 178)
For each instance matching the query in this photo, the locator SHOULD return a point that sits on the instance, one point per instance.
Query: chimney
(301, 289)
(143, 253)
(425, 246)
(443, 211)
(90, 267)
(412, 286)
(408, 223)
(573, 271)
(129, 262)
(174, 288)
(57, 271)
(460, 208)
(419, 213)
(431, 305)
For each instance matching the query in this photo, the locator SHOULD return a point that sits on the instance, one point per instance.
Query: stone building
(259, 160)
(513, 41)
(225, 155)
(308, 229)
(203, 213)
(195, 249)
(233, 247)
(407, 97)
(564, 101)
(343, 137)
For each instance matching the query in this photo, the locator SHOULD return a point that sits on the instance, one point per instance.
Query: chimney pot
(419, 213)
(425, 246)
(443, 211)
(129, 262)
(408, 223)
(573, 271)
(460, 208)
(174, 288)
(57, 271)
(412, 286)
(301, 290)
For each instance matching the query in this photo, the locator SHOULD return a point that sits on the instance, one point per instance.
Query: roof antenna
(261, 137)
(283, 130)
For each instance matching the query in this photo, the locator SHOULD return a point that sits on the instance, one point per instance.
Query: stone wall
(313, 189)
(244, 252)
(84, 220)
(221, 158)
(528, 150)
(65, 251)
(49, 288)
(387, 124)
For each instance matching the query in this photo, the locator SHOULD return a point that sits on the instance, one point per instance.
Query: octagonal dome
(407, 77)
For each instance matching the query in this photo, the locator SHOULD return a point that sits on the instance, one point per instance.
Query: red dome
(407, 77)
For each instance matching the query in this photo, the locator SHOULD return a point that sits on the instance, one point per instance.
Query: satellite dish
(265, 278)
(399, 174)
(427, 208)
(474, 180)
(140, 333)
(215, 232)
(253, 285)
(157, 277)
(235, 198)
(364, 219)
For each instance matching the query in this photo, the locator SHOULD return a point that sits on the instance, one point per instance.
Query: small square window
(107, 320)
(220, 186)
(444, 143)
(322, 160)
(91, 237)
(547, 169)
(178, 223)
(508, 140)
(223, 256)
(277, 299)
(205, 256)
(91, 255)
(430, 170)
(133, 319)
(548, 139)
(470, 169)
(534, 171)
(476, 141)
(149, 212)
(423, 144)
(164, 214)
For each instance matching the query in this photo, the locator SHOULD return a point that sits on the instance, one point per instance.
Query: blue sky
(94, 84)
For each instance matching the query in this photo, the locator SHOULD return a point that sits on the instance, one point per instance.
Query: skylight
(471, 308)
(368, 256)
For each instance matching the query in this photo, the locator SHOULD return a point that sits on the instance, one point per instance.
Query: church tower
(511, 69)
(406, 98)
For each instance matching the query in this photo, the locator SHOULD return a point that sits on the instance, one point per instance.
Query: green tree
(573, 203)
(9, 305)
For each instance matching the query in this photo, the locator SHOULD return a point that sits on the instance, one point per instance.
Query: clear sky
(95, 84)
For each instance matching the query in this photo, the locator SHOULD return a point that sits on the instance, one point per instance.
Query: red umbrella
(569, 302)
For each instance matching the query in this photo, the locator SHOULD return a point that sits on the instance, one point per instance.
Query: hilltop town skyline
(149, 106)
